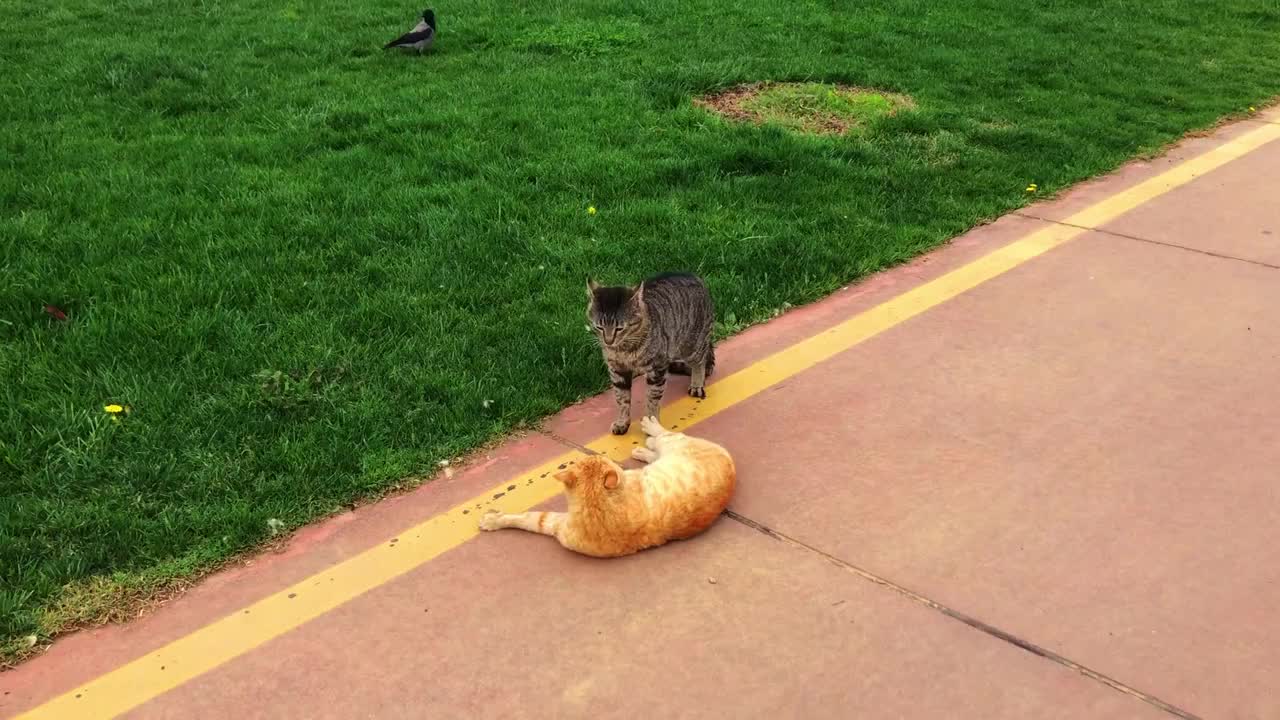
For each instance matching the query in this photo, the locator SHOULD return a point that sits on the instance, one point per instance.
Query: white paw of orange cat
(652, 427)
(644, 455)
(489, 521)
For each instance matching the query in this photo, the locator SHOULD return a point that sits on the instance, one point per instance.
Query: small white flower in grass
(31, 640)
(275, 526)
(486, 404)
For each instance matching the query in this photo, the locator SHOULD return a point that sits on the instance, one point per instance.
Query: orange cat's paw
(644, 455)
(489, 521)
(652, 427)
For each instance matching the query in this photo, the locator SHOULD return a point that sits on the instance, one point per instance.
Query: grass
(313, 269)
(815, 107)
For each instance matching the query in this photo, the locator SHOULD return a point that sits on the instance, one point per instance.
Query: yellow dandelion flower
(113, 409)
(591, 209)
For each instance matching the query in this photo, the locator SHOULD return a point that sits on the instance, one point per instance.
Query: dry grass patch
(808, 107)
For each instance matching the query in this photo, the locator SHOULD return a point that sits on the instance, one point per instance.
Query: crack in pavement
(1149, 241)
(969, 620)
(566, 442)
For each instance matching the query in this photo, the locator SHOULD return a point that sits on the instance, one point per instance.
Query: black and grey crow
(420, 37)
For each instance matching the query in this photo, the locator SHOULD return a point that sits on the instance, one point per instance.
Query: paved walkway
(1031, 475)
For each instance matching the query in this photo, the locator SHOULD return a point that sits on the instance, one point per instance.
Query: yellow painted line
(187, 657)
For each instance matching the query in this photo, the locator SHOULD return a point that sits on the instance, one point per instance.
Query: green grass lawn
(313, 269)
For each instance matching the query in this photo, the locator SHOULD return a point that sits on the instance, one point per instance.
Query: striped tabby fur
(661, 326)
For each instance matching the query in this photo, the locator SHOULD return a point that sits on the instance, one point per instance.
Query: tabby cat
(683, 489)
(662, 325)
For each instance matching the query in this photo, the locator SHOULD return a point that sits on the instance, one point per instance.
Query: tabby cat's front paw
(489, 521)
(620, 427)
(698, 392)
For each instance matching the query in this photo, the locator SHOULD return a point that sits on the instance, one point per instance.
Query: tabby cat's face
(616, 315)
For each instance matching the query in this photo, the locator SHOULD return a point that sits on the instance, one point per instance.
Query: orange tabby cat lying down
(683, 489)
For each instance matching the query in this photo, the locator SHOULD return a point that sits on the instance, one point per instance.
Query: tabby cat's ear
(592, 286)
(637, 295)
(611, 477)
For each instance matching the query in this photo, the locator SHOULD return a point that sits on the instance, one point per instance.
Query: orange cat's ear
(566, 477)
(611, 478)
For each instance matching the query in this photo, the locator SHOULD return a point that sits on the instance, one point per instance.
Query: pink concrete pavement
(1077, 457)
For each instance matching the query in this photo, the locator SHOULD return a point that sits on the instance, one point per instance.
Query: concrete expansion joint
(566, 442)
(969, 620)
(1149, 241)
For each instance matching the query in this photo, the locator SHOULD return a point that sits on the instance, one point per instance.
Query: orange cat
(612, 512)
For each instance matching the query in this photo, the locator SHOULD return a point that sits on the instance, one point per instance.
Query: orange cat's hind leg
(543, 523)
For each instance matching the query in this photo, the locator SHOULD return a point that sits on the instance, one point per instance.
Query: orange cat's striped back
(690, 483)
(686, 485)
